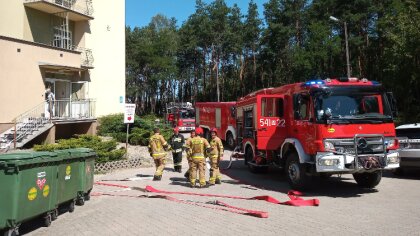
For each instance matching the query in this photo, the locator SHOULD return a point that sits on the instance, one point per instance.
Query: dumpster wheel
(87, 196)
(71, 206)
(47, 219)
(80, 201)
(54, 214)
(11, 232)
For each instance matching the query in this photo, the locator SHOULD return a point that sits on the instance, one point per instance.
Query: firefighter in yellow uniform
(197, 147)
(157, 150)
(188, 152)
(215, 155)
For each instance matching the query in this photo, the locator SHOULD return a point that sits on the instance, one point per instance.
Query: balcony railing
(87, 57)
(67, 109)
(81, 6)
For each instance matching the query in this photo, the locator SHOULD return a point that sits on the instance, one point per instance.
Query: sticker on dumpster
(32, 194)
(68, 173)
(41, 183)
(46, 190)
(41, 174)
(87, 169)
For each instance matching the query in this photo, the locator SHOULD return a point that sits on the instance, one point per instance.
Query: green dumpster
(69, 178)
(87, 170)
(86, 159)
(28, 186)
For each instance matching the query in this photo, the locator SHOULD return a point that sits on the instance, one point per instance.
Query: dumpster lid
(23, 158)
(25, 155)
(75, 153)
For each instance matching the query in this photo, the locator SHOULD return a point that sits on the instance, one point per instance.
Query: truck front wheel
(296, 173)
(249, 156)
(368, 180)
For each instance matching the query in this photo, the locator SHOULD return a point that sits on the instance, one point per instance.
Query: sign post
(129, 113)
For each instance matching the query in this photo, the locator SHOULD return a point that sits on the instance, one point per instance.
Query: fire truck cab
(180, 115)
(320, 127)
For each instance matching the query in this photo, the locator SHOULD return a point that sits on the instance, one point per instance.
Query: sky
(140, 12)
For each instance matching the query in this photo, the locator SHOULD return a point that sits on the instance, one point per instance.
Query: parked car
(409, 152)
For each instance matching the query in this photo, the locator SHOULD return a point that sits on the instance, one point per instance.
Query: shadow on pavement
(180, 181)
(36, 223)
(141, 175)
(412, 174)
(275, 180)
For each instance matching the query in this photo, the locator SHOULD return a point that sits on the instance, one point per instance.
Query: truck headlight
(329, 146)
(328, 162)
(393, 159)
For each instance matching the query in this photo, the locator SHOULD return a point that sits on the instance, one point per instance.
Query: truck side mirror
(393, 103)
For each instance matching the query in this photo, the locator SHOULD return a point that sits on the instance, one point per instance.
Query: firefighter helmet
(213, 130)
(176, 129)
(199, 130)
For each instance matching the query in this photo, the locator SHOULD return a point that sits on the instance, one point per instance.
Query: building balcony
(86, 59)
(67, 110)
(78, 10)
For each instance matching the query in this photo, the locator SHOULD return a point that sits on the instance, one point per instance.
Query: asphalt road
(392, 208)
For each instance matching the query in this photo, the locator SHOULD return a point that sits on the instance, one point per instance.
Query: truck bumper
(410, 158)
(328, 162)
(183, 128)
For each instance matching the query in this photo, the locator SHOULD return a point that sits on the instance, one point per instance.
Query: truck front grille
(365, 145)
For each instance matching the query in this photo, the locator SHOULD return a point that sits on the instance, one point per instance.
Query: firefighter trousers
(187, 174)
(160, 164)
(177, 157)
(198, 164)
(214, 171)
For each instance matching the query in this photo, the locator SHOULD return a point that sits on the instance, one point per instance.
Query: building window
(62, 37)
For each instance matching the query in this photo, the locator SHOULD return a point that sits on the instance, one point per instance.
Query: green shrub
(139, 132)
(106, 150)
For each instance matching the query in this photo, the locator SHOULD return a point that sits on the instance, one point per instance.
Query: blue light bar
(313, 82)
(375, 83)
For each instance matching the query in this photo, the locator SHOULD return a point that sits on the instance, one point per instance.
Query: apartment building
(76, 49)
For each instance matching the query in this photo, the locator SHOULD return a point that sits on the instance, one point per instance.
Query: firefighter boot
(179, 169)
(157, 177)
(187, 174)
(218, 181)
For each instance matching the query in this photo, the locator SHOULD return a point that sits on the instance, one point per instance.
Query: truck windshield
(352, 105)
(187, 115)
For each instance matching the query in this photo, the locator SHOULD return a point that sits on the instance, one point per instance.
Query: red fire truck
(319, 127)
(180, 115)
(219, 115)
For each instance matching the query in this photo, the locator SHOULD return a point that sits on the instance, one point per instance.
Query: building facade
(74, 48)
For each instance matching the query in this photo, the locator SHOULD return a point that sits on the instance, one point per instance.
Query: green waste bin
(28, 187)
(76, 174)
(68, 179)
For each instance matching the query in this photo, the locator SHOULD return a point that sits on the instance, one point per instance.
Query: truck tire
(368, 180)
(296, 173)
(230, 141)
(249, 156)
